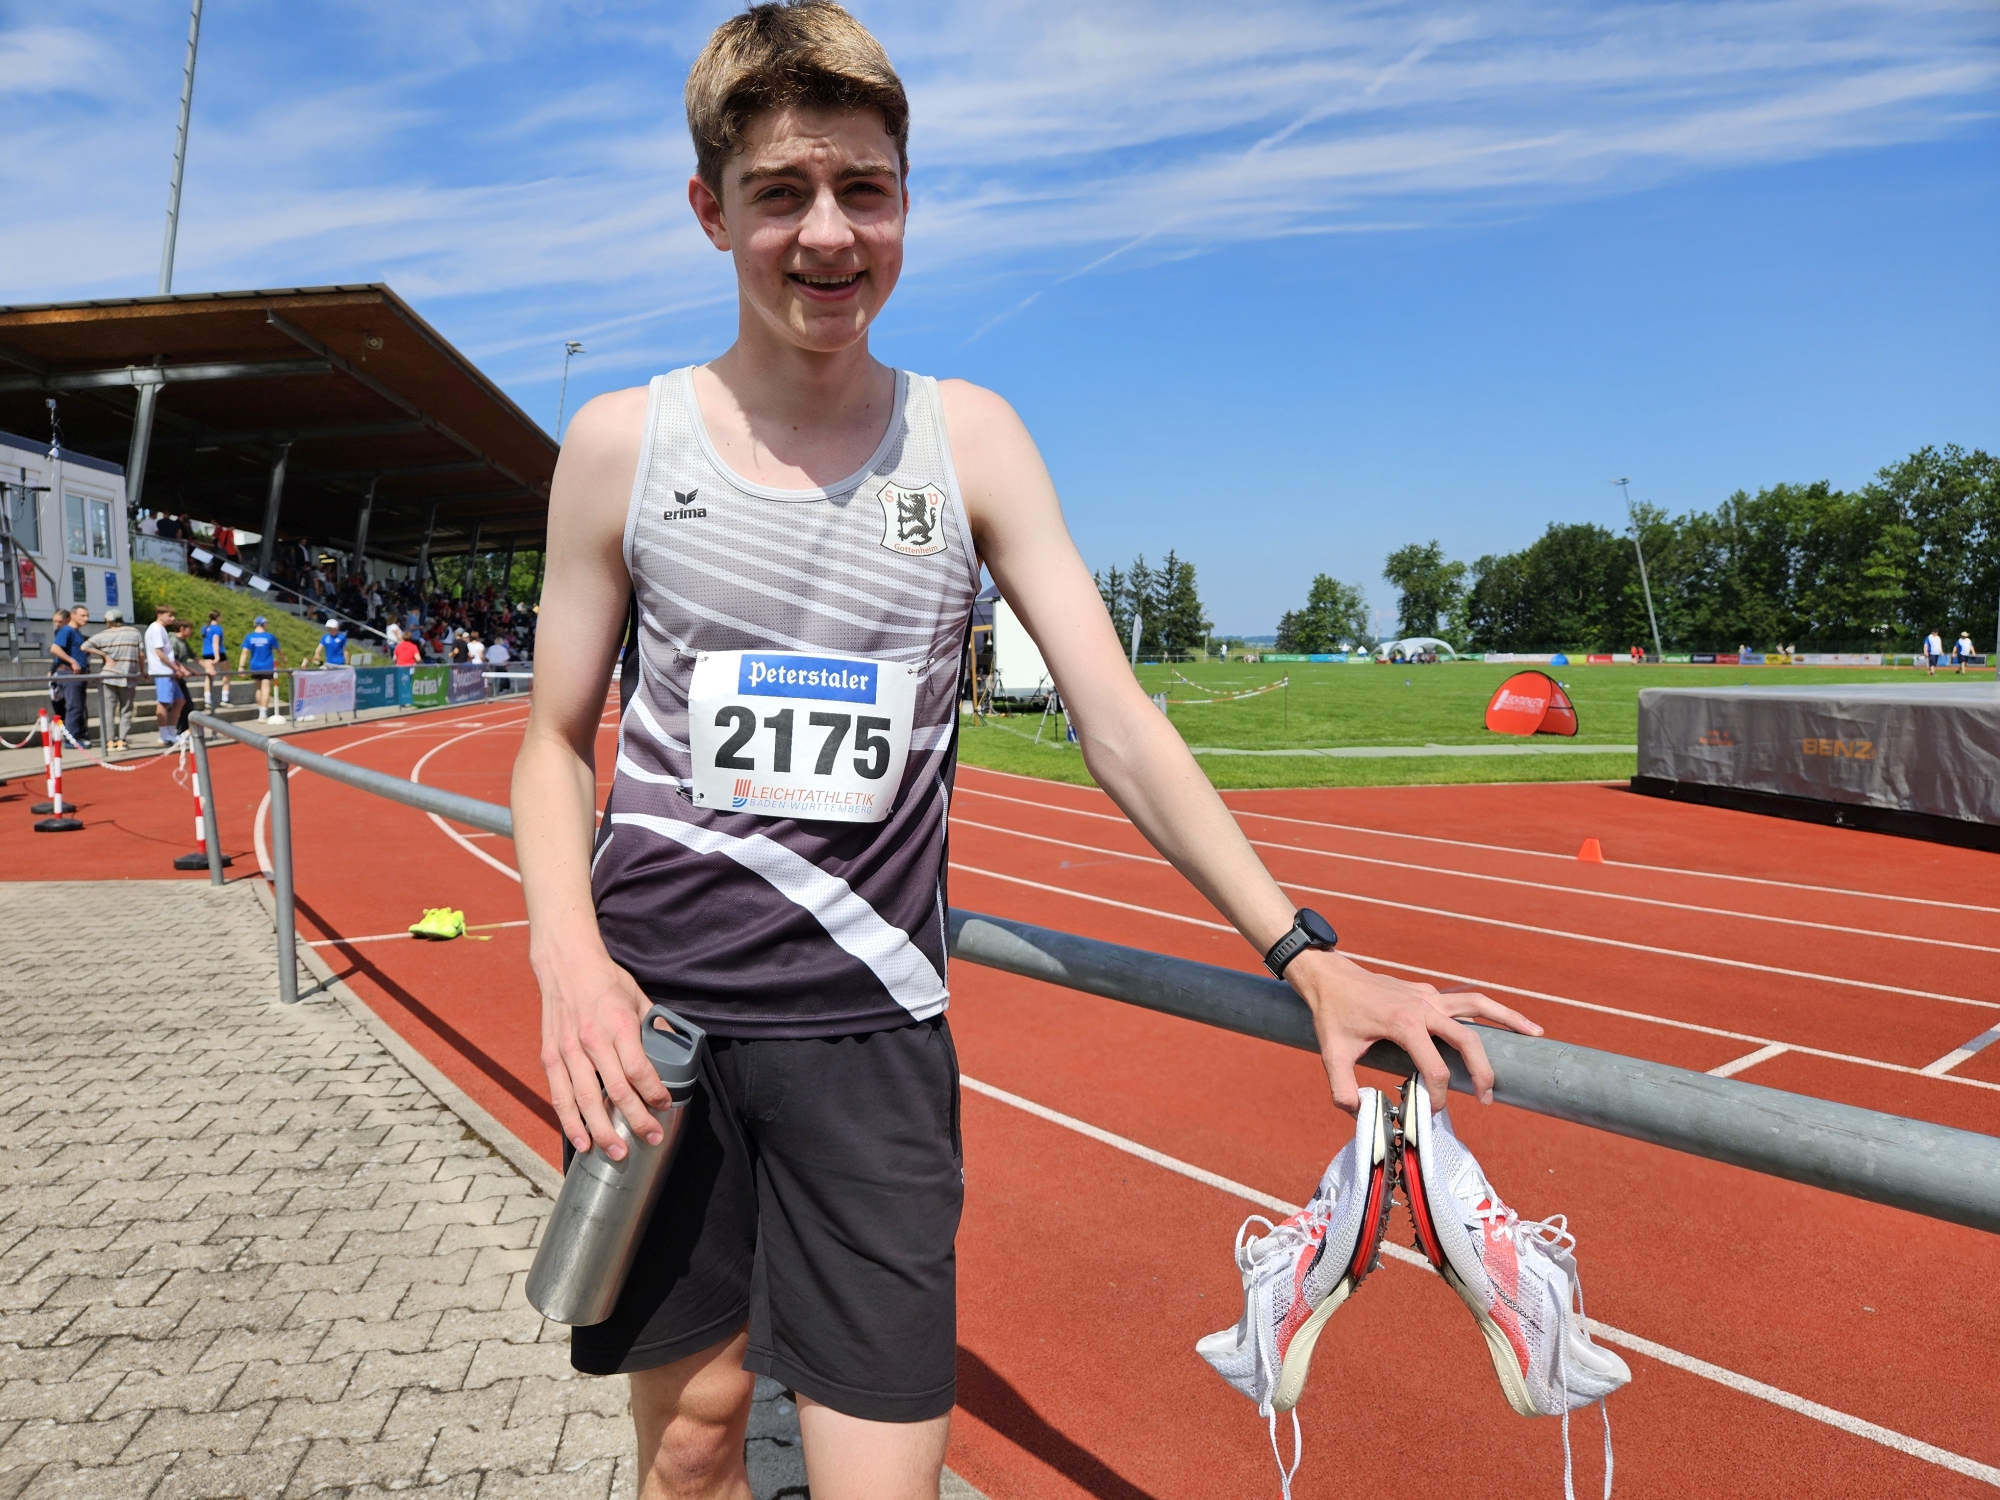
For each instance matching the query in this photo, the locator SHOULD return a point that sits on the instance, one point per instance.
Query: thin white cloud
(527, 157)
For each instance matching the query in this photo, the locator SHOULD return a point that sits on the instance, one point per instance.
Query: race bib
(787, 736)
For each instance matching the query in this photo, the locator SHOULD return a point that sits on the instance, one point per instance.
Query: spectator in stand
(407, 652)
(161, 667)
(120, 649)
(259, 657)
(497, 657)
(475, 648)
(66, 674)
(149, 524)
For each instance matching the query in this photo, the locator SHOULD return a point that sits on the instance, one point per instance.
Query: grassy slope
(193, 598)
(1336, 704)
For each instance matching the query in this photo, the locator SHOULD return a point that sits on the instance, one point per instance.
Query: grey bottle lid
(676, 1053)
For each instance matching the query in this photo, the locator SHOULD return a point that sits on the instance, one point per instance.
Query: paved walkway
(246, 1251)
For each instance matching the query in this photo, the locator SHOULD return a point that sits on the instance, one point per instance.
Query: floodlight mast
(142, 415)
(1659, 651)
(571, 348)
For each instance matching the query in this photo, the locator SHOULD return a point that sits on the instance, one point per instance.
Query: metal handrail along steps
(1927, 1169)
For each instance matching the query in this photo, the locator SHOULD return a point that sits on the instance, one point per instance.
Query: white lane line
(417, 775)
(1564, 890)
(1888, 1437)
(1422, 838)
(1506, 989)
(1749, 1060)
(1958, 1055)
(383, 937)
(262, 819)
(1513, 926)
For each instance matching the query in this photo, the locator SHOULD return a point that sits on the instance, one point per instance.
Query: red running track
(1087, 1272)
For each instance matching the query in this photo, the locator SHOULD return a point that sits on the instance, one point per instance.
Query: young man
(120, 649)
(66, 673)
(1933, 652)
(214, 660)
(332, 648)
(803, 528)
(259, 657)
(166, 673)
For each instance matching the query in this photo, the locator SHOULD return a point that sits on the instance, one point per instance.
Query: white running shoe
(1519, 1279)
(1299, 1272)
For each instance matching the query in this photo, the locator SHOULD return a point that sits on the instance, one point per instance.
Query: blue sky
(1279, 285)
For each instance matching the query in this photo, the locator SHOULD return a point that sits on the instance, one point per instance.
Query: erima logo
(688, 511)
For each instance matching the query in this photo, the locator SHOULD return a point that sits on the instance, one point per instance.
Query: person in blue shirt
(332, 648)
(214, 660)
(66, 674)
(260, 655)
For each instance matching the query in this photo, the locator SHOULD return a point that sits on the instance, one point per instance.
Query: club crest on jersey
(913, 520)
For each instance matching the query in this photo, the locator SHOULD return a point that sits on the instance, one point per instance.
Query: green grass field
(1335, 704)
(193, 598)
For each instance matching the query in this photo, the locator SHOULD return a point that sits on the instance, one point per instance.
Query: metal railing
(1928, 1169)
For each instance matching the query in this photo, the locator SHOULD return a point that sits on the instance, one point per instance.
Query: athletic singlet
(761, 925)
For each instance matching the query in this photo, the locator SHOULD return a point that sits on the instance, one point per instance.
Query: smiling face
(812, 210)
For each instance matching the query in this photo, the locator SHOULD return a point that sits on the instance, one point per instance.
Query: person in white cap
(1963, 651)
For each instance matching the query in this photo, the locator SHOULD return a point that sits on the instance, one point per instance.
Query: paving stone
(243, 1476)
(287, 1272)
(265, 1380)
(334, 1464)
(217, 1432)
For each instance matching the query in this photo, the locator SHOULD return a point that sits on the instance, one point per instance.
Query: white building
(65, 538)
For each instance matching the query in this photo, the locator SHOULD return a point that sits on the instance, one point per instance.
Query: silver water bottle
(605, 1205)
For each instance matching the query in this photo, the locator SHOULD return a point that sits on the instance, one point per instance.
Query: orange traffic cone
(1591, 853)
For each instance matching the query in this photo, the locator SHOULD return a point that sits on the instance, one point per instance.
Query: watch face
(1317, 927)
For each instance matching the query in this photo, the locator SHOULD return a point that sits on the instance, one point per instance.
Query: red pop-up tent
(1531, 703)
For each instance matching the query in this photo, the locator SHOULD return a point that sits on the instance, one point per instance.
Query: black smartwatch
(1309, 930)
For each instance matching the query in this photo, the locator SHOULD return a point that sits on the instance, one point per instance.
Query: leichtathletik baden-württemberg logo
(913, 520)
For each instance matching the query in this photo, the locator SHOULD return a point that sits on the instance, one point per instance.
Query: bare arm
(591, 1008)
(1141, 761)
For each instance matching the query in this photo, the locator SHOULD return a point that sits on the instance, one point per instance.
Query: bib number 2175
(816, 737)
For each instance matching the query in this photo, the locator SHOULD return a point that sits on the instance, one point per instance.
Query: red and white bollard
(58, 820)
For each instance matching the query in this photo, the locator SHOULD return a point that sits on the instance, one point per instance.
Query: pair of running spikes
(1519, 1279)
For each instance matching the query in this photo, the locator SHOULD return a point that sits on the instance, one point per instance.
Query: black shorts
(815, 1196)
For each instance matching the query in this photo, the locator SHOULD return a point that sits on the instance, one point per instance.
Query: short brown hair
(793, 54)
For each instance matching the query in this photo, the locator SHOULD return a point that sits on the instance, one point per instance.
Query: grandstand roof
(361, 388)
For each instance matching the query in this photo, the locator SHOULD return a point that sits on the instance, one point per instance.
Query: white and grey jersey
(765, 926)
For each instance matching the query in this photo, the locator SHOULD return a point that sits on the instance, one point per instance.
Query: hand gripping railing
(1928, 1169)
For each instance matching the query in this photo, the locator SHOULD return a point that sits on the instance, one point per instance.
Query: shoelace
(1291, 1235)
(1552, 1237)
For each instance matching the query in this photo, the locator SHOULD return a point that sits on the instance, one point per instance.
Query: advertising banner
(428, 686)
(1531, 703)
(1918, 747)
(1542, 656)
(468, 682)
(329, 690)
(381, 687)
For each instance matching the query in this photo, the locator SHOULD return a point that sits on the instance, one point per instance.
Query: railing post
(207, 785)
(281, 872)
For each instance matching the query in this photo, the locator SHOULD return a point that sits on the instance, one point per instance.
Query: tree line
(1164, 600)
(1916, 549)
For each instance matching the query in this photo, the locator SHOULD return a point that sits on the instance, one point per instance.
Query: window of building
(100, 528)
(75, 537)
(25, 516)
